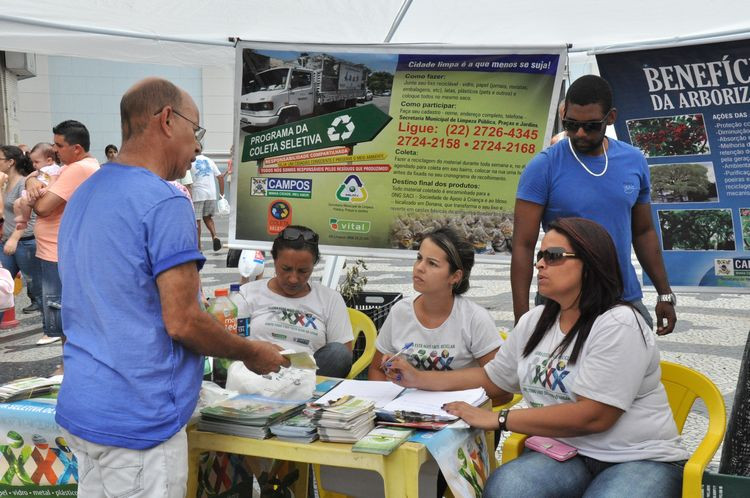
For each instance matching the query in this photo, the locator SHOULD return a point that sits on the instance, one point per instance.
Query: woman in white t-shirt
(295, 313)
(446, 330)
(588, 366)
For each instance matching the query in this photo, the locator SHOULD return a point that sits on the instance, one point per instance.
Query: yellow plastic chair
(683, 386)
(361, 324)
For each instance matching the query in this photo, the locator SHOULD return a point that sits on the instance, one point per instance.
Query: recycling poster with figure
(375, 149)
(687, 109)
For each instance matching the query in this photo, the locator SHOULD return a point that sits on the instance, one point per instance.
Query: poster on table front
(374, 149)
(687, 109)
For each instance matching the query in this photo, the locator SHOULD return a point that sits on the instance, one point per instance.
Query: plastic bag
(222, 207)
(251, 263)
(287, 384)
(7, 285)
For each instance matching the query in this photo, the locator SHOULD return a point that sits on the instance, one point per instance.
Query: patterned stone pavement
(710, 333)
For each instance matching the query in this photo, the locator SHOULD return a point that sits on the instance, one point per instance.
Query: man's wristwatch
(667, 298)
(502, 419)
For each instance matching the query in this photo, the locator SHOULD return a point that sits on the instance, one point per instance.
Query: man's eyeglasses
(554, 255)
(295, 234)
(571, 125)
(198, 130)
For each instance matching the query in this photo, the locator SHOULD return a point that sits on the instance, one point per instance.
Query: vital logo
(352, 190)
(628, 188)
(341, 128)
(349, 226)
(299, 188)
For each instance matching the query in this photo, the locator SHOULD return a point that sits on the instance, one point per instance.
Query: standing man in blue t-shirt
(596, 177)
(129, 264)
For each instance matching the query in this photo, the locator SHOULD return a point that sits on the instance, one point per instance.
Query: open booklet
(418, 405)
(396, 404)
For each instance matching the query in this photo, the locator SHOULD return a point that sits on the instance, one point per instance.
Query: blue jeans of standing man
(537, 475)
(24, 259)
(51, 299)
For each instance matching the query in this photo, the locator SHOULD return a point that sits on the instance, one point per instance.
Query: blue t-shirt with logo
(557, 181)
(127, 383)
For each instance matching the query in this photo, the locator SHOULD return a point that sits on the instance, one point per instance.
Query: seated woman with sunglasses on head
(295, 313)
(588, 365)
(447, 330)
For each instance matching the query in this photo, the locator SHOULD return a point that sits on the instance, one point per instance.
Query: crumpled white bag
(288, 384)
(222, 207)
(251, 263)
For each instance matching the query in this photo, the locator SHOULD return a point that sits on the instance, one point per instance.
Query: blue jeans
(537, 475)
(51, 299)
(334, 360)
(24, 259)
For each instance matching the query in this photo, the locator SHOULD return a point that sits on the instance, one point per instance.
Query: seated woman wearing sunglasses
(588, 365)
(295, 313)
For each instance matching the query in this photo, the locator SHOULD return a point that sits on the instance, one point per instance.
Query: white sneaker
(45, 339)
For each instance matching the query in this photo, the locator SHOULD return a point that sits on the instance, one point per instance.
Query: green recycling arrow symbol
(345, 127)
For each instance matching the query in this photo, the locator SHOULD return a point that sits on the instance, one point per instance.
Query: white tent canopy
(192, 32)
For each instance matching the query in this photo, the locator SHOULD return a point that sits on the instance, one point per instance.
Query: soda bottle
(243, 319)
(224, 310)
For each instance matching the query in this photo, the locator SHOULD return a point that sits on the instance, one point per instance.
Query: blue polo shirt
(127, 383)
(558, 182)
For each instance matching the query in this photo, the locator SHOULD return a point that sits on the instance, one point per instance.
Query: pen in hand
(406, 347)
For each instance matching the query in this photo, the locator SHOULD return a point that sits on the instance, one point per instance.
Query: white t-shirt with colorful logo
(466, 335)
(302, 324)
(618, 365)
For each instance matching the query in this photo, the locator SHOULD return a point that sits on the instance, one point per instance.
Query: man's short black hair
(590, 89)
(74, 133)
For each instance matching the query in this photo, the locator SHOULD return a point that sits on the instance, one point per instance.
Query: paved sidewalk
(710, 333)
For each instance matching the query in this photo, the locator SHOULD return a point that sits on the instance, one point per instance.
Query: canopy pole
(397, 21)
(719, 36)
(112, 32)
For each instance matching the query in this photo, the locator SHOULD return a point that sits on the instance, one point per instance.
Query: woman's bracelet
(502, 420)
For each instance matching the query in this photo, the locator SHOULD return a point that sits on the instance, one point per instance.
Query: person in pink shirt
(72, 146)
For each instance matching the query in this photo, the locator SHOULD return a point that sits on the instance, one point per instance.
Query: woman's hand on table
(475, 417)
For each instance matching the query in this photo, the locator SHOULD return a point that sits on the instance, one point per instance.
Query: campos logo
(300, 188)
(349, 226)
(334, 131)
(351, 190)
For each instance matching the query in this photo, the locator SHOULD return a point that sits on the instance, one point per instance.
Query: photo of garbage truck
(277, 92)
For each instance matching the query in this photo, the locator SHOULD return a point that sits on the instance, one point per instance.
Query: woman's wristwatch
(502, 419)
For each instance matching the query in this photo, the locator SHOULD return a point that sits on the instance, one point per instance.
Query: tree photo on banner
(376, 149)
(686, 108)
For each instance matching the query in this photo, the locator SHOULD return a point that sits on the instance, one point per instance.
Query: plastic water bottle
(243, 320)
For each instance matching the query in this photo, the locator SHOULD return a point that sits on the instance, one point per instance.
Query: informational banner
(687, 109)
(375, 149)
(35, 460)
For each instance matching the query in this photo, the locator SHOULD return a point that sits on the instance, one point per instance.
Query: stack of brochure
(28, 387)
(297, 429)
(382, 440)
(246, 415)
(345, 421)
